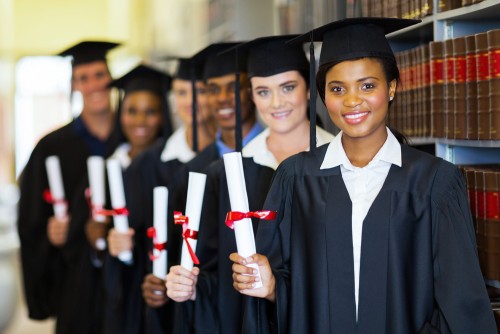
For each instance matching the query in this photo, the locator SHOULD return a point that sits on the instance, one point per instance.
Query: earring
(391, 98)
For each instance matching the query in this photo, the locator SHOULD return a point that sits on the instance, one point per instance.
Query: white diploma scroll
(194, 203)
(243, 230)
(54, 175)
(160, 198)
(95, 167)
(118, 202)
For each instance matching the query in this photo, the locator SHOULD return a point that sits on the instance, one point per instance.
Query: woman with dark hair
(371, 235)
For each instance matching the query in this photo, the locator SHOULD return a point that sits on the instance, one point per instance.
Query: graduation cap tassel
(312, 98)
(167, 122)
(238, 131)
(194, 118)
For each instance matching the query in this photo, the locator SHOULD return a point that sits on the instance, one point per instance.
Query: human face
(182, 90)
(281, 100)
(357, 98)
(221, 99)
(91, 80)
(141, 118)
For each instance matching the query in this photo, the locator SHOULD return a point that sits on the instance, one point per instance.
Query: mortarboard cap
(270, 55)
(88, 51)
(216, 63)
(143, 77)
(186, 67)
(355, 38)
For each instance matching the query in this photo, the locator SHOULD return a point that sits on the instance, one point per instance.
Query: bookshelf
(445, 28)
(442, 26)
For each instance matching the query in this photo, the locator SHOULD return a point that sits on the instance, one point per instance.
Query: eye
(151, 112)
(335, 89)
(181, 92)
(368, 86)
(262, 92)
(130, 111)
(213, 90)
(288, 88)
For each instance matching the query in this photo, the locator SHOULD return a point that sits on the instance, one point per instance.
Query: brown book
(437, 88)
(409, 126)
(426, 90)
(471, 87)
(426, 8)
(492, 223)
(483, 86)
(481, 222)
(460, 102)
(365, 8)
(449, 89)
(405, 9)
(494, 80)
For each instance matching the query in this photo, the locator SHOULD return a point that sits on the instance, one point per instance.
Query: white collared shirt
(258, 150)
(363, 185)
(177, 147)
(122, 155)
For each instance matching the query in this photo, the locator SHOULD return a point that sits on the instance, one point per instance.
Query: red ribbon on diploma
(180, 219)
(156, 245)
(47, 197)
(233, 216)
(99, 210)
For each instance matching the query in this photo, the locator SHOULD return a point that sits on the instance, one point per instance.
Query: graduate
(42, 236)
(371, 235)
(279, 81)
(140, 121)
(143, 118)
(156, 167)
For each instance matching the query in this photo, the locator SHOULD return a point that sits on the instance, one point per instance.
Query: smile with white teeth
(280, 114)
(355, 116)
(225, 111)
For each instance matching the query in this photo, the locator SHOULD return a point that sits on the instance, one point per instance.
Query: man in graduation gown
(43, 237)
(220, 75)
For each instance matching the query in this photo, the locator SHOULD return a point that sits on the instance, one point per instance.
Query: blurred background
(35, 90)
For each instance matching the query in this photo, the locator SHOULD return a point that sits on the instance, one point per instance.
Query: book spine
(493, 37)
(483, 86)
(426, 91)
(437, 88)
(460, 102)
(471, 87)
(449, 89)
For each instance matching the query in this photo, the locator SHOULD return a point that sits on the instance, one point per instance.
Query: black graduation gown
(419, 270)
(44, 266)
(125, 310)
(81, 309)
(218, 307)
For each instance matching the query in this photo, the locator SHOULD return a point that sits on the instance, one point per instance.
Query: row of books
(407, 9)
(483, 186)
(450, 89)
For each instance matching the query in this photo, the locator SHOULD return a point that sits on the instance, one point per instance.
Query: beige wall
(34, 27)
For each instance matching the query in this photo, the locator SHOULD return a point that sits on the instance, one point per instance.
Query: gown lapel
(340, 263)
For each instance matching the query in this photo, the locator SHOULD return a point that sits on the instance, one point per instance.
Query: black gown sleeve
(42, 263)
(460, 292)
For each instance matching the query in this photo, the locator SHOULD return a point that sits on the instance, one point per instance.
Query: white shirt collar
(258, 150)
(336, 156)
(177, 147)
(121, 154)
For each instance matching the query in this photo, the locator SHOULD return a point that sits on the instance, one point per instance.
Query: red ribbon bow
(180, 219)
(99, 210)
(47, 197)
(233, 216)
(156, 245)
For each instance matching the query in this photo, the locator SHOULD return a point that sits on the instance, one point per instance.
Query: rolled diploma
(54, 175)
(194, 203)
(243, 230)
(118, 201)
(95, 167)
(160, 195)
